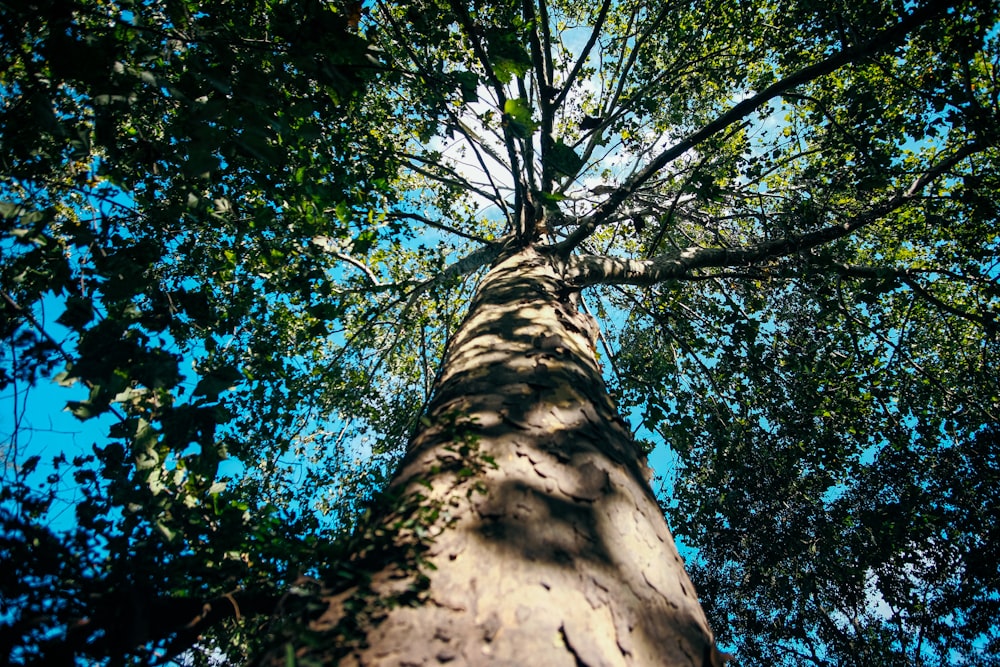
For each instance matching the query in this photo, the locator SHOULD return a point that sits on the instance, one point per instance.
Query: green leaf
(363, 243)
(508, 56)
(563, 159)
(83, 410)
(217, 381)
(468, 84)
(343, 210)
(551, 197)
(29, 465)
(78, 313)
(517, 116)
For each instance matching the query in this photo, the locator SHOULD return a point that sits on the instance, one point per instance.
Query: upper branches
(881, 42)
(589, 269)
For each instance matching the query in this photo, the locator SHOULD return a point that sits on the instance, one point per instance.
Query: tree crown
(246, 230)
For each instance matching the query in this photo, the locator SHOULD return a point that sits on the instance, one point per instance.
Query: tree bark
(524, 530)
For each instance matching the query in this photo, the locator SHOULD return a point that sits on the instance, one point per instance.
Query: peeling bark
(525, 531)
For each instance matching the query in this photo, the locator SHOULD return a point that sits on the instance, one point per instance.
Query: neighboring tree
(403, 250)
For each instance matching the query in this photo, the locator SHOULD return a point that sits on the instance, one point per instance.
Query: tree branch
(128, 621)
(465, 20)
(358, 264)
(906, 277)
(880, 42)
(542, 67)
(578, 65)
(590, 269)
(458, 181)
(401, 215)
(474, 141)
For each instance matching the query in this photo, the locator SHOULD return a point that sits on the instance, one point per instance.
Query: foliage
(246, 229)
(180, 187)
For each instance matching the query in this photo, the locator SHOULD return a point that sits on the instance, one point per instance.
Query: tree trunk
(524, 530)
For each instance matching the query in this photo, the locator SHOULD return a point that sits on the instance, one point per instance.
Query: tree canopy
(242, 233)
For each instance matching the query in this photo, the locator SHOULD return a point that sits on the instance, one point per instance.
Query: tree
(419, 235)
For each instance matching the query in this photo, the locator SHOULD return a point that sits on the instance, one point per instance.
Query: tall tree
(433, 233)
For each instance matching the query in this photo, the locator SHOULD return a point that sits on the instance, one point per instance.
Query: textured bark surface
(556, 555)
